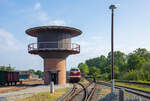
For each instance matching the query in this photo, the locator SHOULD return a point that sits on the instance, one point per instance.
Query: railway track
(91, 93)
(138, 92)
(81, 92)
(139, 83)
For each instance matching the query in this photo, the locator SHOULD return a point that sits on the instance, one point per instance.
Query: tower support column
(55, 69)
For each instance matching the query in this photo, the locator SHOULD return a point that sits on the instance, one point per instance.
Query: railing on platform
(53, 46)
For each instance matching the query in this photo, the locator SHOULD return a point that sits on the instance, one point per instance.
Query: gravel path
(12, 96)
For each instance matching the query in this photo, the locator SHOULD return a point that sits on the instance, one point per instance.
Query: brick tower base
(57, 65)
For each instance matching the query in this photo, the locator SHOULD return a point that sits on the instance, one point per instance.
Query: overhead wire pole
(112, 7)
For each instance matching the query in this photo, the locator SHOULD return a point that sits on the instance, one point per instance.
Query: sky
(93, 17)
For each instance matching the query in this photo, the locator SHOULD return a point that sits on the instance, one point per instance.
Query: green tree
(39, 73)
(8, 68)
(94, 72)
(116, 71)
(142, 52)
(83, 68)
(131, 75)
(2, 68)
(135, 66)
(98, 62)
(32, 71)
(120, 59)
(145, 72)
(93, 62)
(103, 63)
(67, 73)
(135, 61)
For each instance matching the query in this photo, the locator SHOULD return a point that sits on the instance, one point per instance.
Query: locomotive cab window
(74, 69)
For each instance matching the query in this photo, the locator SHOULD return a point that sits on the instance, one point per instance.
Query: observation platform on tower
(59, 43)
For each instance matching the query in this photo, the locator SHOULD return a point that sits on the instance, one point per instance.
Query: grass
(84, 81)
(104, 91)
(46, 96)
(136, 86)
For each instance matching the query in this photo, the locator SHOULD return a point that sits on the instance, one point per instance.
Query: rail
(138, 92)
(75, 91)
(91, 94)
(131, 82)
(53, 46)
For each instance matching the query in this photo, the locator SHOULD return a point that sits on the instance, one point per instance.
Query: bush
(131, 75)
(105, 77)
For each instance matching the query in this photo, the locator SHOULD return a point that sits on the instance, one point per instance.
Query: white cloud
(37, 6)
(96, 37)
(44, 19)
(8, 41)
(58, 22)
(31, 39)
(38, 16)
(83, 43)
(15, 52)
(90, 47)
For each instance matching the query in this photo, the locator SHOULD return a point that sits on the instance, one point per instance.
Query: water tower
(54, 46)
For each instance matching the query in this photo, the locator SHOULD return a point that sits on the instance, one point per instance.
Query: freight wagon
(9, 77)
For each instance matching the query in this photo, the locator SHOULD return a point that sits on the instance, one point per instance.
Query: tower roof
(34, 31)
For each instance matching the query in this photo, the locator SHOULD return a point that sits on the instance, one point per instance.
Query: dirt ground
(25, 84)
(29, 92)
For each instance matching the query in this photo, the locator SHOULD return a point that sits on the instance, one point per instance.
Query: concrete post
(51, 87)
(3, 99)
(121, 94)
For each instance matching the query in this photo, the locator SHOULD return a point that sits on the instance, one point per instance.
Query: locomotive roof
(74, 68)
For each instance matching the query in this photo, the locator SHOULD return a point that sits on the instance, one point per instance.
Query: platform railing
(53, 46)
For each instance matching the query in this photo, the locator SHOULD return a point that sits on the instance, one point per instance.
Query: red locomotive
(75, 75)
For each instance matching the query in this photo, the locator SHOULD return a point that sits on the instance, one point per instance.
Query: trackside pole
(51, 87)
(112, 7)
(113, 85)
(121, 94)
(3, 99)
